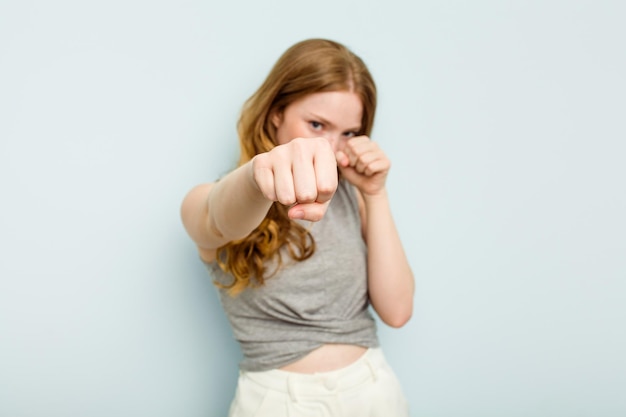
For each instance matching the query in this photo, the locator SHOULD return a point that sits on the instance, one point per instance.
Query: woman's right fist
(301, 173)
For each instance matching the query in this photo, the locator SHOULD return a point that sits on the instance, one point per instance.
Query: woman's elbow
(398, 319)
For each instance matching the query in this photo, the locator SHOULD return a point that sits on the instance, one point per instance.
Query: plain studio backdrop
(505, 124)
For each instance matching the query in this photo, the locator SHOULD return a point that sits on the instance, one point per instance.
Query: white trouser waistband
(299, 385)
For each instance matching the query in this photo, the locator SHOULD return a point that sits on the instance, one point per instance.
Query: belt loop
(291, 389)
(372, 369)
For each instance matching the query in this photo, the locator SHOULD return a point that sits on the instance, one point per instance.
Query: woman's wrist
(253, 189)
(374, 198)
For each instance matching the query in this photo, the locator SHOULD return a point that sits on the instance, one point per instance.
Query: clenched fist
(364, 165)
(301, 173)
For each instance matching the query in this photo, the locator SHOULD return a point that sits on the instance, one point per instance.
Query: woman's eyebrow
(326, 122)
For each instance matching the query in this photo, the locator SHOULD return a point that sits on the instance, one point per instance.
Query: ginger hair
(310, 66)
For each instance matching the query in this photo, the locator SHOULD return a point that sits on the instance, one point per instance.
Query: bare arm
(390, 279)
(217, 213)
(302, 173)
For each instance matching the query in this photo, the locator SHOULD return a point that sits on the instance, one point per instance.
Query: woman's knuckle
(306, 196)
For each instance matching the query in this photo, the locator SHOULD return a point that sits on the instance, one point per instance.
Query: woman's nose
(333, 139)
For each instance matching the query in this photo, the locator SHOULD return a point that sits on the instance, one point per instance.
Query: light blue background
(505, 123)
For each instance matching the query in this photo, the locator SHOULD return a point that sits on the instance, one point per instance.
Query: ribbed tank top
(310, 303)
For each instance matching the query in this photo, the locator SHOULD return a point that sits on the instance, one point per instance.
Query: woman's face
(334, 115)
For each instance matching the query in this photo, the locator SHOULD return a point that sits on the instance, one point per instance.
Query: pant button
(330, 383)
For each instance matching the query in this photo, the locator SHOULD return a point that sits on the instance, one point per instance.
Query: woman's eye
(350, 134)
(316, 125)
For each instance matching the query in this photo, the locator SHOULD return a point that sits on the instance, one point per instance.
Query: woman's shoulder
(208, 256)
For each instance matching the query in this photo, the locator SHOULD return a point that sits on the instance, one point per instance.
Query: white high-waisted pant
(368, 387)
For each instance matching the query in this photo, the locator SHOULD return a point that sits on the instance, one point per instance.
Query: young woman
(300, 241)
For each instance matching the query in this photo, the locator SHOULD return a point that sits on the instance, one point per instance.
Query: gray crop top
(306, 304)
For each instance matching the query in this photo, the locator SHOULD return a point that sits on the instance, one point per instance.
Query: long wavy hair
(310, 66)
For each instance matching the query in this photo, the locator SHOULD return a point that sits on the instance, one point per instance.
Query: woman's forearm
(391, 283)
(215, 214)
